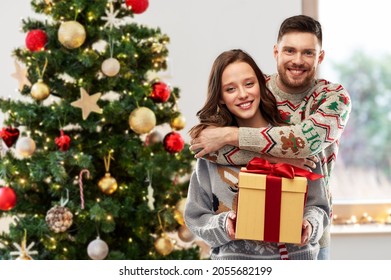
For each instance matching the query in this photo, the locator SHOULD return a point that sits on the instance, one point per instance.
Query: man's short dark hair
(300, 23)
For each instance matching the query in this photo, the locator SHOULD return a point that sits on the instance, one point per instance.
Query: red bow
(262, 166)
(63, 142)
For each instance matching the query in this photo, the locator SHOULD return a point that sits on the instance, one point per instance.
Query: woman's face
(241, 93)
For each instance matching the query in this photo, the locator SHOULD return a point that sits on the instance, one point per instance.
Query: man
(316, 110)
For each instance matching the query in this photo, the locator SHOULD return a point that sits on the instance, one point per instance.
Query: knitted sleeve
(327, 116)
(317, 208)
(199, 215)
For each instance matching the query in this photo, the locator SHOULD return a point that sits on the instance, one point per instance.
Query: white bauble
(25, 146)
(110, 67)
(97, 249)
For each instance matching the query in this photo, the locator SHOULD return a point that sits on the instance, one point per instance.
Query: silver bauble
(97, 249)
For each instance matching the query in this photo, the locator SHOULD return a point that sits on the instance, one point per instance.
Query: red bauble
(7, 198)
(9, 135)
(63, 142)
(173, 142)
(160, 92)
(36, 40)
(137, 6)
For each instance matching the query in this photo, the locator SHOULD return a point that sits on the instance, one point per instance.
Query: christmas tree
(85, 171)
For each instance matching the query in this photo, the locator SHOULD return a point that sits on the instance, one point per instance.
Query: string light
(90, 16)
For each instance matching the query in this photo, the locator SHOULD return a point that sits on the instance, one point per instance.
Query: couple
(287, 117)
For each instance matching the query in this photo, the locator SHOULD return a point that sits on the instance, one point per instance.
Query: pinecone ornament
(59, 218)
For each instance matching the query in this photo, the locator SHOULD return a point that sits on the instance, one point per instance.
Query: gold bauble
(178, 216)
(153, 138)
(180, 205)
(71, 34)
(178, 122)
(108, 184)
(185, 234)
(142, 120)
(164, 245)
(110, 67)
(40, 90)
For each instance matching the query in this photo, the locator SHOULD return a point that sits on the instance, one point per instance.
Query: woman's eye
(230, 89)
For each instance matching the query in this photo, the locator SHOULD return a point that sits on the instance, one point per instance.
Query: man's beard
(295, 86)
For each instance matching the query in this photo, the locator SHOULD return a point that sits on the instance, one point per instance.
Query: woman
(237, 95)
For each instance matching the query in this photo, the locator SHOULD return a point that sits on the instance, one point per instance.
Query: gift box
(271, 202)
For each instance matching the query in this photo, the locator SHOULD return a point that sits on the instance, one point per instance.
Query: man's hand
(308, 163)
(213, 138)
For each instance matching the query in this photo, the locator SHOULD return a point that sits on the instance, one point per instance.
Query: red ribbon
(262, 166)
(274, 173)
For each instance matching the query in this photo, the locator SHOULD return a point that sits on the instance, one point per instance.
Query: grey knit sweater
(212, 194)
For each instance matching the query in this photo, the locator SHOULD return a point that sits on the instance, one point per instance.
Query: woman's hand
(230, 225)
(305, 232)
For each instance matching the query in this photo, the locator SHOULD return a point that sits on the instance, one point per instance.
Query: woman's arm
(199, 215)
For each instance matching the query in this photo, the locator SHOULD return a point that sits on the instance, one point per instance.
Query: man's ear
(321, 56)
(275, 50)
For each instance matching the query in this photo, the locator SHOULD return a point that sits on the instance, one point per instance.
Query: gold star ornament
(87, 103)
(21, 76)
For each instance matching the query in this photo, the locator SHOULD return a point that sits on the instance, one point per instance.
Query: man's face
(298, 55)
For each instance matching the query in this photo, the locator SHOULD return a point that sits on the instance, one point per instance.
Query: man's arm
(230, 155)
(213, 138)
(324, 125)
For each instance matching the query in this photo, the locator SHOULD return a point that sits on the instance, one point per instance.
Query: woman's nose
(242, 93)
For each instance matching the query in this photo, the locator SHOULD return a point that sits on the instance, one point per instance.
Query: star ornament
(21, 76)
(87, 103)
(111, 18)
